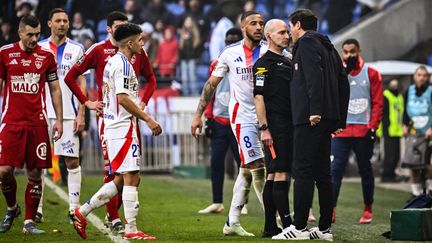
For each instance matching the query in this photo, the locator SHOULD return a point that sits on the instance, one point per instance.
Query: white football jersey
(67, 54)
(119, 78)
(236, 64)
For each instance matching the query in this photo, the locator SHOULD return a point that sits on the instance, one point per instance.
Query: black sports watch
(263, 127)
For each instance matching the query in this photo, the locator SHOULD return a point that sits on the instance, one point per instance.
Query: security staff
(272, 76)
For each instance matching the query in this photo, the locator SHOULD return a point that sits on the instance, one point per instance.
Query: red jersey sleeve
(2, 66)
(147, 72)
(51, 74)
(376, 97)
(208, 113)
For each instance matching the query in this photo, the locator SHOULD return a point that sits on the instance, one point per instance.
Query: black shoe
(39, 218)
(271, 233)
(7, 221)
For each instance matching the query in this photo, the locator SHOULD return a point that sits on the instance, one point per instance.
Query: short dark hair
(125, 31)
(422, 67)
(54, 11)
(307, 18)
(233, 31)
(115, 15)
(351, 41)
(247, 14)
(30, 20)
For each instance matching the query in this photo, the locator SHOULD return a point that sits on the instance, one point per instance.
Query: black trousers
(311, 166)
(391, 156)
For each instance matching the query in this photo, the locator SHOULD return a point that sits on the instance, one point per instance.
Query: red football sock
(112, 206)
(9, 189)
(32, 197)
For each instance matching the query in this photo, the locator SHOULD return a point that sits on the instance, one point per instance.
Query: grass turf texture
(168, 210)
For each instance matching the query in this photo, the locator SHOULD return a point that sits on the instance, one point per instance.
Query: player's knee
(281, 176)
(34, 174)
(72, 163)
(259, 163)
(270, 176)
(6, 173)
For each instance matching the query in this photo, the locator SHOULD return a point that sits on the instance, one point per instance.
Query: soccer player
(120, 94)
(236, 62)
(67, 53)
(96, 58)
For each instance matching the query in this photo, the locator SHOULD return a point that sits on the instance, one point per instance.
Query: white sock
(101, 197)
(240, 194)
(258, 180)
(40, 207)
(74, 187)
(131, 206)
(416, 189)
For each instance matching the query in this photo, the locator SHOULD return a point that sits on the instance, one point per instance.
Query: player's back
(25, 74)
(119, 78)
(236, 64)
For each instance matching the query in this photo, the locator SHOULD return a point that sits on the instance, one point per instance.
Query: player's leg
(12, 154)
(112, 206)
(32, 197)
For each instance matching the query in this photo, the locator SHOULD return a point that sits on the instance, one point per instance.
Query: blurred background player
(121, 101)
(236, 63)
(67, 53)
(219, 130)
(26, 67)
(96, 58)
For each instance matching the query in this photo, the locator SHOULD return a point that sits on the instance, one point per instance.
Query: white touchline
(97, 222)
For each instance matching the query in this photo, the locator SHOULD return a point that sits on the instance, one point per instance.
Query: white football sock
(258, 181)
(240, 195)
(416, 189)
(40, 207)
(131, 206)
(74, 187)
(101, 197)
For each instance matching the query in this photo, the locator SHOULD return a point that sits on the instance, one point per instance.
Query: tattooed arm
(206, 95)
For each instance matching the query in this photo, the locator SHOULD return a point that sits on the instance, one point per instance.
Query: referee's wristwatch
(263, 127)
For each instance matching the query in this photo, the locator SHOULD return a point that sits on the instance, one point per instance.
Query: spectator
(79, 29)
(417, 122)
(156, 10)
(159, 29)
(151, 44)
(132, 11)
(22, 8)
(194, 9)
(6, 36)
(167, 56)
(391, 130)
(189, 45)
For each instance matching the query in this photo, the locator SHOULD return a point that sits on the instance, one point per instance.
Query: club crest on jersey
(41, 151)
(68, 56)
(38, 64)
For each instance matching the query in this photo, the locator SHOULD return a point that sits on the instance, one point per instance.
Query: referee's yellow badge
(260, 76)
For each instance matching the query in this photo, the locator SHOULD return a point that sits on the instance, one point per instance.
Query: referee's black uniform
(272, 75)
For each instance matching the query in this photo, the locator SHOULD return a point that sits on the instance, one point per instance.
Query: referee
(272, 76)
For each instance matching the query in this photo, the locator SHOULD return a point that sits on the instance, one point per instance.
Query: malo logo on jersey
(41, 151)
(38, 64)
(27, 84)
(68, 56)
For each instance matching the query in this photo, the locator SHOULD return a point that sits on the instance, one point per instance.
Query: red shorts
(25, 144)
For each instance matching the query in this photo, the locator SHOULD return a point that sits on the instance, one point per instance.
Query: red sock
(9, 189)
(32, 197)
(112, 205)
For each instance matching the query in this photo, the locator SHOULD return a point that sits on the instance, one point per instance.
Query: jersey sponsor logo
(68, 56)
(245, 72)
(25, 63)
(238, 59)
(38, 64)
(13, 62)
(15, 54)
(27, 84)
(39, 57)
(62, 69)
(109, 51)
(41, 151)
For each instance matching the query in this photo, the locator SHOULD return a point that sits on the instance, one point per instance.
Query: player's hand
(57, 130)
(428, 133)
(266, 137)
(196, 125)
(79, 124)
(314, 119)
(95, 105)
(339, 130)
(405, 130)
(142, 106)
(154, 126)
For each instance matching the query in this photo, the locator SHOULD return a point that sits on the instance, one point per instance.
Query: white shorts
(247, 137)
(68, 145)
(124, 155)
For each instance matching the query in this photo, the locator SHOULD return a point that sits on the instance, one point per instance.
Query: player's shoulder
(232, 47)
(74, 43)
(7, 47)
(96, 47)
(44, 51)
